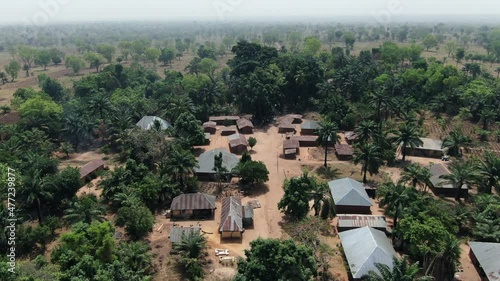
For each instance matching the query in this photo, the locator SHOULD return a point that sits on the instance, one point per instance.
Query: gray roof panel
(364, 248)
(348, 192)
(206, 161)
(147, 122)
(488, 256)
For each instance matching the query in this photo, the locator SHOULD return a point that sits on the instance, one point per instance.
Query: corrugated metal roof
(291, 144)
(350, 136)
(347, 221)
(91, 167)
(437, 171)
(224, 118)
(431, 144)
(177, 233)
(147, 122)
(287, 124)
(210, 124)
(348, 192)
(229, 129)
(10, 118)
(231, 215)
(244, 123)
(364, 248)
(206, 161)
(247, 212)
(488, 256)
(344, 149)
(310, 125)
(237, 140)
(193, 201)
(305, 138)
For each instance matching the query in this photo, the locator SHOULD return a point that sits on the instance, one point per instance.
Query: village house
(350, 197)
(193, 205)
(234, 218)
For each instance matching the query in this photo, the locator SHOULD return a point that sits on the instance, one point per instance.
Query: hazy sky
(51, 11)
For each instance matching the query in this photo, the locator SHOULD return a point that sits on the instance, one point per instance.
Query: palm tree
(408, 135)
(395, 197)
(441, 263)
(382, 103)
(85, 209)
(370, 156)
(35, 190)
(100, 103)
(191, 249)
(489, 170)
(320, 194)
(416, 175)
(366, 131)
(179, 165)
(401, 271)
(455, 141)
(327, 133)
(462, 173)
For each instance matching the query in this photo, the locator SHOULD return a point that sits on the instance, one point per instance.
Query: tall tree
(408, 135)
(489, 169)
(191, 250)
(327, 135)
(455, 142)
(35, 191)
(85, 209)
(416, 175)
(462, 173)
(370, 157)
(28, 56)
(179, 165)
(13, 69)
(295, 202)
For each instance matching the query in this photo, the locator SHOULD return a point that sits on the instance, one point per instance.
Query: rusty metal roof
(232, 215)
(10, 118)
(361, 221)
(237, 140)
(210, 124)
(344, 149)
(91, 167)
(177, 233)
(224, 118)
(305, 138)
(244, 123)
(193, 201)
(291, 144)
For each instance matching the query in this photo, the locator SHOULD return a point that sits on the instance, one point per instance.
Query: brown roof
(231, 215)
(244, 123)
(91, 167)
(209, 124)
(223, 118)
(193, 201)
(351, 136)
(305, 138)
(229, 129)
(344, 149)
(237, 140)
(294, 116)
(291, 144)
(10, 118)
(286, 124)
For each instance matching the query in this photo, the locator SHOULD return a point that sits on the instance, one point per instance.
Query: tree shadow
(256, 191)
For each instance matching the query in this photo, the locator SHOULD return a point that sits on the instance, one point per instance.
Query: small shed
(431, 148)
(486, 258)
(286, 127)
(306, 141)
(439, 185)
(350, 137)
(87, 172)
(291, 148)
(348, 222)
(224, 120)
(350, 197)
(238, 143)
(210, 127)
(344, 152)
(10, 118)
(309, 128)
(193, 205)
(230, 130)
(364, 248)
(294, 118)
(245, 126)
(233, 218)
(150, 122)
(177, 233)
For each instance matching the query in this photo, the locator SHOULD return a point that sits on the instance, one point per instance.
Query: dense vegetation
(383, 94)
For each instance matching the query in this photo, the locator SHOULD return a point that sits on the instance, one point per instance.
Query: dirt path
(468, 271)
